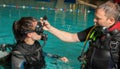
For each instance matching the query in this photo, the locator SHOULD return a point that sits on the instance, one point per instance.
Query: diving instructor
(103, 37)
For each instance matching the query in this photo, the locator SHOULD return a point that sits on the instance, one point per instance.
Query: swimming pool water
(63, 19)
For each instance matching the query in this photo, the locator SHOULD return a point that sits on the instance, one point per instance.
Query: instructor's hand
(46, 24)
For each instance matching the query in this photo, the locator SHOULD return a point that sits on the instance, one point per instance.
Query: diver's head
(27, 27)
(107, 14)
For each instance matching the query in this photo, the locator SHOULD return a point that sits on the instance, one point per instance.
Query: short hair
(21, 26)
(111, 9)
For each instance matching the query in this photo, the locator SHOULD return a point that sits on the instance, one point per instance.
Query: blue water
(70, 21)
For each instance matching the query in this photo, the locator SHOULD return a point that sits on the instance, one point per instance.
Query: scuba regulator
(39, 29)
(95, 33)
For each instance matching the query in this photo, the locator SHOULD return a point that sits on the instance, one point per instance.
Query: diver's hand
(64, 59)
(46, 24)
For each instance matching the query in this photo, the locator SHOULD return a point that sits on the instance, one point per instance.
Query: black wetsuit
(103, 52)
(28, 56)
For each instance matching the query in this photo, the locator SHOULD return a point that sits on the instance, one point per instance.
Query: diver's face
(35, 36)
(100, 18)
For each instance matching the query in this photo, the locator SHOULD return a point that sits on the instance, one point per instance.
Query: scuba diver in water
(104, 38)
(27, 52)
